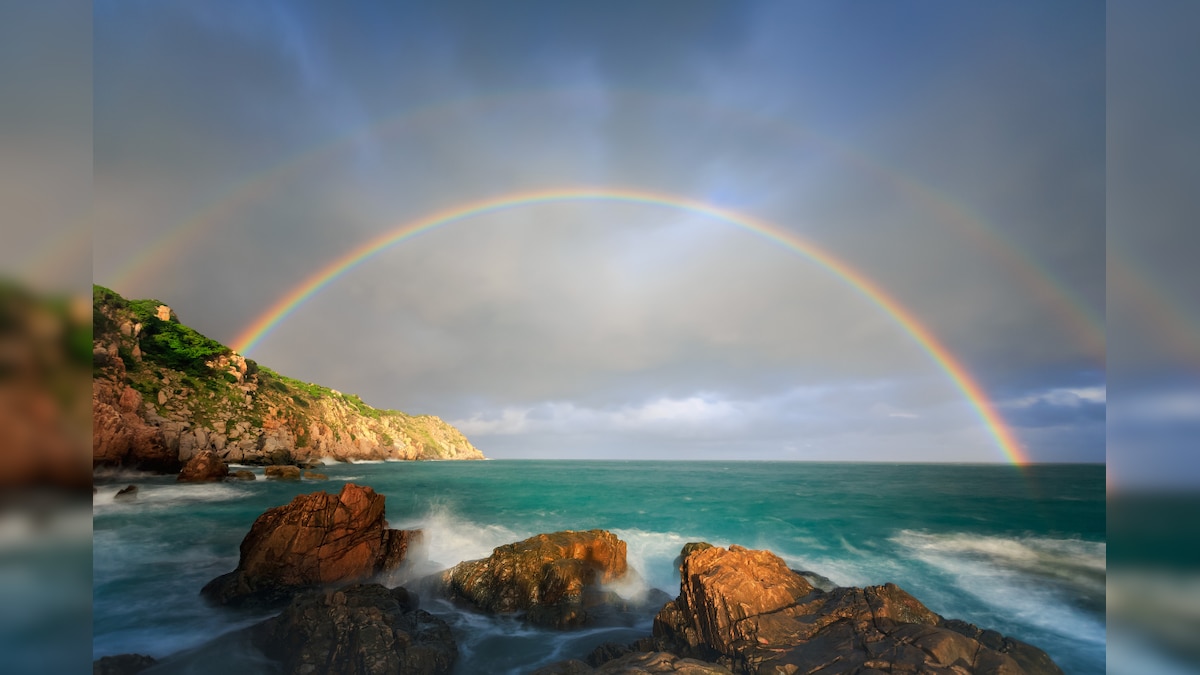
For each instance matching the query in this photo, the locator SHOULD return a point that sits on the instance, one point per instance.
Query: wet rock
(204, 466)
(243, 474)
(126, 494)
(747, 611)
(122, 664)
(313, 475)
(639, 663)
(282, 472)
(554, 578)
(317, 539)
(365, 629)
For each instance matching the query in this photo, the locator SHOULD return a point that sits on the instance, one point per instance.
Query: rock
(637, 662)
(315, 540)
(204, 466)
(688, 549)
(365, 629)
(817, 580)
(554, 578)
(122, 664)
(120, 436)
(282, 472)
(243, 474)
(128, 493)
(313, 475)
(746, 610)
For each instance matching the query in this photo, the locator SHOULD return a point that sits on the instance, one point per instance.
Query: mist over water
(1019, 551)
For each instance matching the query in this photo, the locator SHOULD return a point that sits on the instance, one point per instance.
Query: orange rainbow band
(942, 356)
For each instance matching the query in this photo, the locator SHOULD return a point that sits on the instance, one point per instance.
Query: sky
(954, 154)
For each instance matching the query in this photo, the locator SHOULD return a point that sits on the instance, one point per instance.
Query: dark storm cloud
(569, 326)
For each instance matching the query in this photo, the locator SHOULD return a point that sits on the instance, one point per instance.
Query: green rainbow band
(996, 427)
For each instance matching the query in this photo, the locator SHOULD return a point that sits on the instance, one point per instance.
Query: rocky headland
(163, 393)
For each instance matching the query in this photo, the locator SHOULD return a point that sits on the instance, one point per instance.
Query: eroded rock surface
(316, 540)
(554, 578)
(747, 611)
(363, 628)
(203, 467)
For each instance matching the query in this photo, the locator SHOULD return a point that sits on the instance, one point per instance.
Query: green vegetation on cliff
(200, 394)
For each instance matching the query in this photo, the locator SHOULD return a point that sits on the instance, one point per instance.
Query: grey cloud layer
(601, 311)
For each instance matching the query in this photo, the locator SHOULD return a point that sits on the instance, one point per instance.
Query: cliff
(162, 392)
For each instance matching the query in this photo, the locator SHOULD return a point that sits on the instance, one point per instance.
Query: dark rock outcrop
(243, 474)
(126, 494)
(639, 663)
(747, 611)
(554, 578)
(122, 664)
(362, 628)
(317, 539)
(282, 472)
(203, 467)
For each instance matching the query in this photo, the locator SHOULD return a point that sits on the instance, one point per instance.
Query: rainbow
(1003, 437)
(1069, 309)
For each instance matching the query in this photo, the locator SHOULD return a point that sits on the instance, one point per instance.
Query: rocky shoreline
(349, 591)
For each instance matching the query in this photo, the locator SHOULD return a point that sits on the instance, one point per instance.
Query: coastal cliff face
(162, 392)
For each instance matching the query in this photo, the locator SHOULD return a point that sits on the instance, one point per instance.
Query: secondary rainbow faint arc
(995, 426)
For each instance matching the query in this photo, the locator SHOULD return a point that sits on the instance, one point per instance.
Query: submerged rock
(365, 629)
(313, 475)
(746, 610)
(282, 472)
(243, 474)
(554, 578)
(317, 539)
(202, 467)
(126, 494)
(122, 664)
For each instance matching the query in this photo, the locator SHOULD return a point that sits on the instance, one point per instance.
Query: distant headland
(162, 393)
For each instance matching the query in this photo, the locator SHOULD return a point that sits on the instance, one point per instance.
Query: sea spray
(938, 531)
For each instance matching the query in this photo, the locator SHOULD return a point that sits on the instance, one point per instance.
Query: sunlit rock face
(316, 540)
(747, 611)
(556, 579)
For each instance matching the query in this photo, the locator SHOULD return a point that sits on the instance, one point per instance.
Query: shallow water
(1021, 551)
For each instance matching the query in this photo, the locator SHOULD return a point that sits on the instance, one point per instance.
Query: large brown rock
(746, 610)
(317, 539)
(365, 629)
(554, 578)
(204, 466)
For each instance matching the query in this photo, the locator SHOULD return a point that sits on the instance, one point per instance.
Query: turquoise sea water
(1021, 551)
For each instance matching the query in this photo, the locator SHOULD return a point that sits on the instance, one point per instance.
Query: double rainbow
(261, 327)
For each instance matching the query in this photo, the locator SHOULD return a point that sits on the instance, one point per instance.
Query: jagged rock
(317, 539)
(120, 434)
(282, 472)
(203, 467)
(688, 549)
(554, 578)
(639, 663)
(128, 493)
(122, 664)
(746, 610)
(365, 629)
(243, 474)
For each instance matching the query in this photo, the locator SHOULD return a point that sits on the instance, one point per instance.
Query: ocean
(1018, 550)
